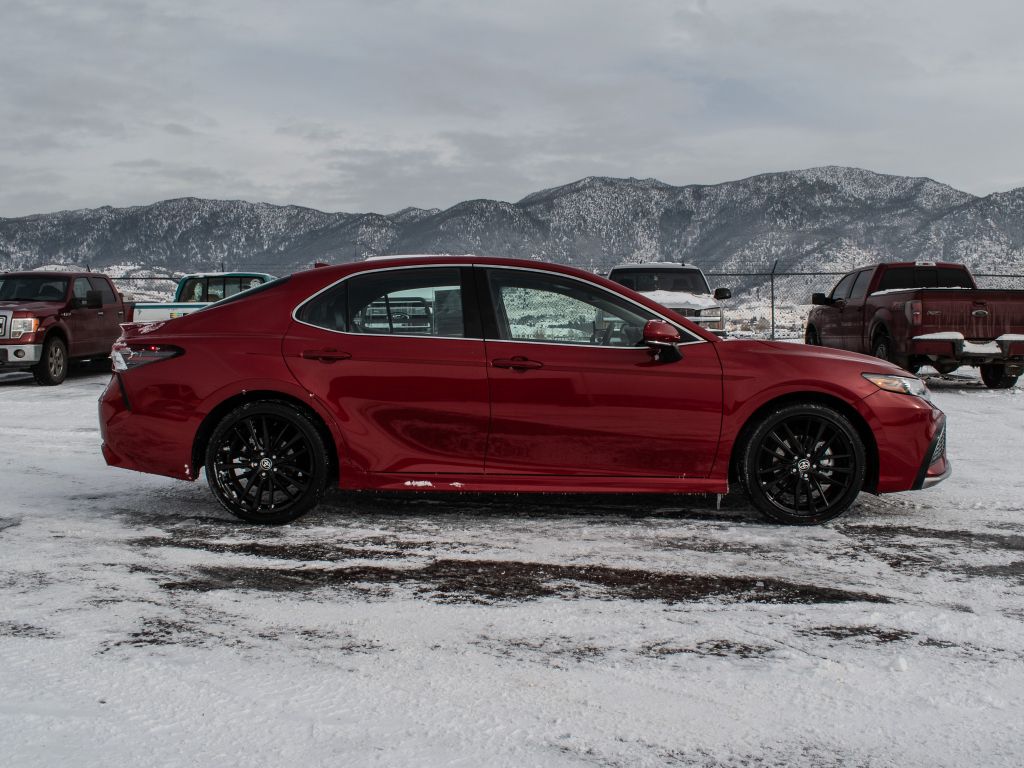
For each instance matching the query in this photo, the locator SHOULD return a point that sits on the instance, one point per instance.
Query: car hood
(35, 307)
(809, 353)
(673, 299)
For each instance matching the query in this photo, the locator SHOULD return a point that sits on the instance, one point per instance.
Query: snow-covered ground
(141, 626)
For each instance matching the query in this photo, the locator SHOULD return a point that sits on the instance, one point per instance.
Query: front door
(575, 392)
(397, 357)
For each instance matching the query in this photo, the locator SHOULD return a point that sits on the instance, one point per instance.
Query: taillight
(128, 356)
(915, 312)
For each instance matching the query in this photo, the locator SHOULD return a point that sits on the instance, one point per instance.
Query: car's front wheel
(802, 464)
(266, 463)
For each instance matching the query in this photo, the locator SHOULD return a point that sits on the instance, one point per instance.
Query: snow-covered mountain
(820, 219)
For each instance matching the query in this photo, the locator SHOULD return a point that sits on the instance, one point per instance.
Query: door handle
(324, 355)
(99, 314)
(517, 363)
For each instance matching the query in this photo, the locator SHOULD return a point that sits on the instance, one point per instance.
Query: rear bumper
(1007, 349)
(20, 355)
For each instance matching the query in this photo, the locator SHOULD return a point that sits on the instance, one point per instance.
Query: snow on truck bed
(141, 626)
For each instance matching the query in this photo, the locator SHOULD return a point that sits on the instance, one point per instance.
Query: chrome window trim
(694, 339)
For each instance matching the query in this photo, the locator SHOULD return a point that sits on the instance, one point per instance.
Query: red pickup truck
(48, 319)
(923, 313)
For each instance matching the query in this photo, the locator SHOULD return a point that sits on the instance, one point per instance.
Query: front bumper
(20, 355)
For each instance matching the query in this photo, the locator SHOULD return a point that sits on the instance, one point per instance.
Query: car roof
(657, 265)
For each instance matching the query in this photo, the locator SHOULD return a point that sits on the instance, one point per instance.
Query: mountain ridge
(827, 218)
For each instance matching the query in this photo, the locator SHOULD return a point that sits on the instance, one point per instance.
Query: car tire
(811, 337)
(52, 369)
(266, 463)
(802, 464)
(995, 376)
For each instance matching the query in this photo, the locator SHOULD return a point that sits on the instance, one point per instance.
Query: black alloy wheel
(996, 376)
(266, 463)
(803, 464)
(52, 369)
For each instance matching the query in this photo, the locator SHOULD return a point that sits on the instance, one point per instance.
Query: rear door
(397, 357)
(575, 392)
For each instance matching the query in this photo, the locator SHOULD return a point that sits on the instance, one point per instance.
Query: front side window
(539, 307)
(406, 302)
(842, 289)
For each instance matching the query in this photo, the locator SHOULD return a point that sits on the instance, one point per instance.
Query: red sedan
(484, 374)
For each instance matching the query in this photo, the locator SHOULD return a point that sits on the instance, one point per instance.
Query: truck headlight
(712, 312)
(22, 325)
(904, 385)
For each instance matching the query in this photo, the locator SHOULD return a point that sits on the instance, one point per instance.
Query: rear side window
(860, 286)
(101, 285)
(899, 278)
(403, 302)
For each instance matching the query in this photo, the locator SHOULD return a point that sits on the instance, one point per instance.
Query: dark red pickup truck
(48, 319)
(924, 313)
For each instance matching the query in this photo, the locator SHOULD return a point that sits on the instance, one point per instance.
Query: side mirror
(93, 300)
(663, 341)
(821, 300)
(722, 293)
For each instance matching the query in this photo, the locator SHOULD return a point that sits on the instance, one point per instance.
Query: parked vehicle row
(683, 288)
(195, 291)
(924, 313)
(50, 319)
(487, 374)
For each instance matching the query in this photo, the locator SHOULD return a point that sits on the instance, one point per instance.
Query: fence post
(772, 278)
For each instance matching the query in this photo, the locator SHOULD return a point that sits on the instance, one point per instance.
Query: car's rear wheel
(266, 463)
(52, 369)
(803, 464)
(995, 376)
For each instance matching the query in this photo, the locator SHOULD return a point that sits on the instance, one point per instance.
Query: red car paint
(486, 414)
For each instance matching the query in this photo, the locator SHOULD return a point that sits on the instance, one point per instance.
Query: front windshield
(33, 288)
(675, 280)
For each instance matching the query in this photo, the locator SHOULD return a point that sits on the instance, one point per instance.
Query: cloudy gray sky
(364, 105)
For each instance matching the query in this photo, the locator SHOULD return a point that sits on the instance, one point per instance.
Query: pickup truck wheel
(811, 337)
(995, 376)
(882, 348)
(803, 464)
(52, 369)
(266, 463)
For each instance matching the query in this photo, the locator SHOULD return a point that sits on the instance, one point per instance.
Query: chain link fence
(775, 305)
(765, 304)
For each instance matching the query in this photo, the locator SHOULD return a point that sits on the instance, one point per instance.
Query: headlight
(713, 312)
(904, 385)
(22, 325)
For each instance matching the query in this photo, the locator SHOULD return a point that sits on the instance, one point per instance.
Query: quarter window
(536, 307)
